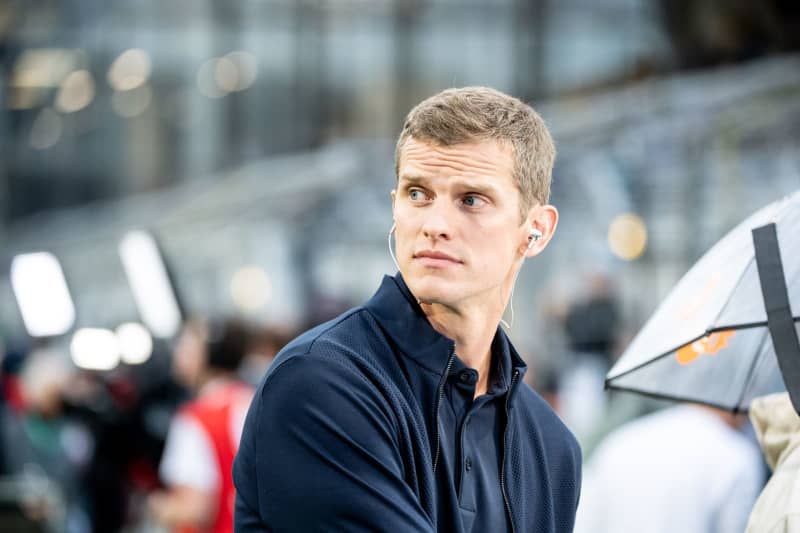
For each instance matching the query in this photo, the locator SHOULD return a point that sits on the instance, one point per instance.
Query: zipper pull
(514, 377)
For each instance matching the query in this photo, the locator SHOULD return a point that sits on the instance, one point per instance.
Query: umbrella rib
(650, 361)
(608, 382)
(672, 350)
(744, 325)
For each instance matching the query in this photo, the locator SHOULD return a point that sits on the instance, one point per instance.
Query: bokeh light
(135, 343)
(150, 283)
(246, 69)
(95, 349)
(251, 289)
(226, 74)
(42, 294)
(627, 236)
(130, 70)
(76, 92)
(44, 67)
(235, 71)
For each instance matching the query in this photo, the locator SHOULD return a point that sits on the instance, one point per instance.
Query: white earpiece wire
(535, 236)
(502, 320)
(391, 251)
(513, 286)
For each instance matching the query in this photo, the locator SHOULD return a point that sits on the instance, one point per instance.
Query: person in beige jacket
(777, 425)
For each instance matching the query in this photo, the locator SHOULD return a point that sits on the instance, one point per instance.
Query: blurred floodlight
(627, 236)
(250, 288)
(76, 92)
(150, 284)
(43, 67)
(95, 349)
(133, 102)
(46, 129)
(135, 343)
(221, 75)
(246, 69)
(206, 79)
(130, 70)
(42, 294)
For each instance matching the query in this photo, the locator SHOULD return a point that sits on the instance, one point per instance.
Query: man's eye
(471, 200)
(416, 194)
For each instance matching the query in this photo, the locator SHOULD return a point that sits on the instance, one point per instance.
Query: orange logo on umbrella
(708, 345)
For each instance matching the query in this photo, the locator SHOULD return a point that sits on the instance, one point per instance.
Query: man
(686, 468)
(410, 413)
(204, 435)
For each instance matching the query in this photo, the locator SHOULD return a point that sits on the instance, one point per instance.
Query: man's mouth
(435, 258)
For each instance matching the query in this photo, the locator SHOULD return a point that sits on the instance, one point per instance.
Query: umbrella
(728, 331)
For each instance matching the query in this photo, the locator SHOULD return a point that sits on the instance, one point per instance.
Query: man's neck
(473, 332)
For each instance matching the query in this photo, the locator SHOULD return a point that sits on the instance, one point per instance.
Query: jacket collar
(401, 317)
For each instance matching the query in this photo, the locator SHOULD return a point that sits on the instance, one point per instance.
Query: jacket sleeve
(319, 452)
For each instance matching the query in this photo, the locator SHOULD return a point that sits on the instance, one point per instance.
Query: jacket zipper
(503, 470)
(439, 398)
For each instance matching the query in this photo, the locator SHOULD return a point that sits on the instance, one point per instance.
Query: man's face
(457, 216)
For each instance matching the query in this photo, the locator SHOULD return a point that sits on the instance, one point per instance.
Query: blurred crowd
(85, 450)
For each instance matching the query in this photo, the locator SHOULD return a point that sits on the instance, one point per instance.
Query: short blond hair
(468, 114)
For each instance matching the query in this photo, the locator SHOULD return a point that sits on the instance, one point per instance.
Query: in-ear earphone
(534, 237)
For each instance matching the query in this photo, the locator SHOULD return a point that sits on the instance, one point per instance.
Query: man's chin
(431, 291)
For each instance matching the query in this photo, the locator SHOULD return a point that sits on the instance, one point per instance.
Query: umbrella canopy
(710, 341)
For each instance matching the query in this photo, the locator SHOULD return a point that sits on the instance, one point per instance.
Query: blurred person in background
(777, 426)
(125, 411)
(43, 448)
(265, 343)
(410, 412)
(591, 325)
(592, 322)
(686, 468)
(85, 436)
(204, 435)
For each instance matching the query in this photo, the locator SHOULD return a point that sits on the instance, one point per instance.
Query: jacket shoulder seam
(341, 319)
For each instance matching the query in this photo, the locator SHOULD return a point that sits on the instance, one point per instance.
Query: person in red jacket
(204, 435)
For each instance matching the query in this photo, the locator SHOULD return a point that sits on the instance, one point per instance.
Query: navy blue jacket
(342, 434)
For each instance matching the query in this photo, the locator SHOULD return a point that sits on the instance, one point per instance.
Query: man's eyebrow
(481, 188)
(413, 180)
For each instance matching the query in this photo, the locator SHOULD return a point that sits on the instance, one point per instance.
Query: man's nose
(438, 221)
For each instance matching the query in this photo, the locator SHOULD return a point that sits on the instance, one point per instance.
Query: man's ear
(545, 219)
(393, 194)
